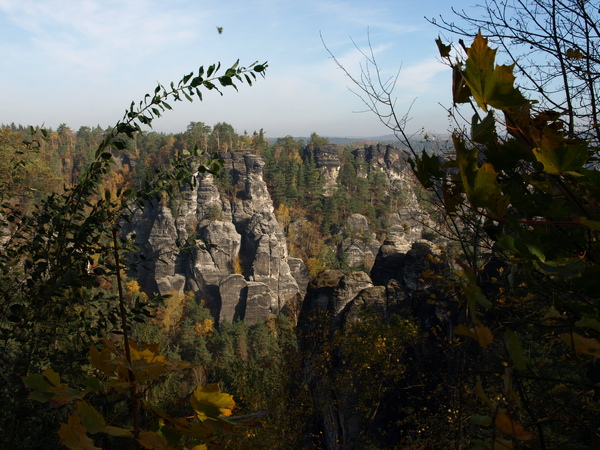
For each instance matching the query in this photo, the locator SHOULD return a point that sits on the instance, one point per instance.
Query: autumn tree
(53, 313)
(197, 134)
(223, 137)
(519, 195)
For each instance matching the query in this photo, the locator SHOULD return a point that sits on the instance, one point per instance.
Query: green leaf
(36, 381)
(91, 419)
(484, 131)
(225, 81)
(484, 421)
(187, 77)
(426, 168)
(480, 182)
(592, 224)
(587, 322)
(559, 155)
(529, 250)
(515, 350)
(572, 268)
(197, 81)
(473, 293)
(490, 85)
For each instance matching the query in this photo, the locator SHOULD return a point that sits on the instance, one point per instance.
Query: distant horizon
(380, 138)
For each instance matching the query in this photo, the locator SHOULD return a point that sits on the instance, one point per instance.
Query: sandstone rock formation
(359, 245)
(236, 233)
(405, 280)
(327, 160)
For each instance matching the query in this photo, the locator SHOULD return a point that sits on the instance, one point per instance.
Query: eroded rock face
(258, 302)
(391, 160)
(300, 274)
(348, 287)
(359, 245)
(238, 233)
(390, 257)
(233, 290)
(327, 160)
(405, 281)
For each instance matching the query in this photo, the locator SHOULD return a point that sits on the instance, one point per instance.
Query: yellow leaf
(481, 334)
(73, 435)
(94, 422)
(505, 424)
(209, 401)
(101, 360)
(61, 394)
(52, 377)
(581, 344)
(153, 441)
(148, 353)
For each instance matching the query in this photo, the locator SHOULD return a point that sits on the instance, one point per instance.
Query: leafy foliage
(56, 257)
(531, 302)
(146, 366)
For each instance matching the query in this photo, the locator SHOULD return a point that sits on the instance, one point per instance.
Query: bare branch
(377, 93)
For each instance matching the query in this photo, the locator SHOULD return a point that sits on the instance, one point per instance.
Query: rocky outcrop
(235, 233)
(393, 162)
(327, 160)
(405, 280)
(359, 245)
(390, 160)
(390, 257)
(373, 298)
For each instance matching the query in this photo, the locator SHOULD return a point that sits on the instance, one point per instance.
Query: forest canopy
(481, 332)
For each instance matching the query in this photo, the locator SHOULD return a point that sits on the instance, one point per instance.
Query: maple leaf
(209, 402)
(74, 435)
(490, 85)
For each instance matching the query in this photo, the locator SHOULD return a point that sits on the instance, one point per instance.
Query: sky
(82, 62)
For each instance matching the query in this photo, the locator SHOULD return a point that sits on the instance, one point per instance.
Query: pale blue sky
(82, 62)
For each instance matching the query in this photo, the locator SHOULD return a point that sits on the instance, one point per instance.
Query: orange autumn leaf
(480, 333)
(505, 424)
(581, 344)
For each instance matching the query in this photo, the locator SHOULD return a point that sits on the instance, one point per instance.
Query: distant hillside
(434, 143)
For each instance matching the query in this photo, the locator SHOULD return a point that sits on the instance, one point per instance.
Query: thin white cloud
(94, 33)
(421, 77)
(84, 60)
(353, 13)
